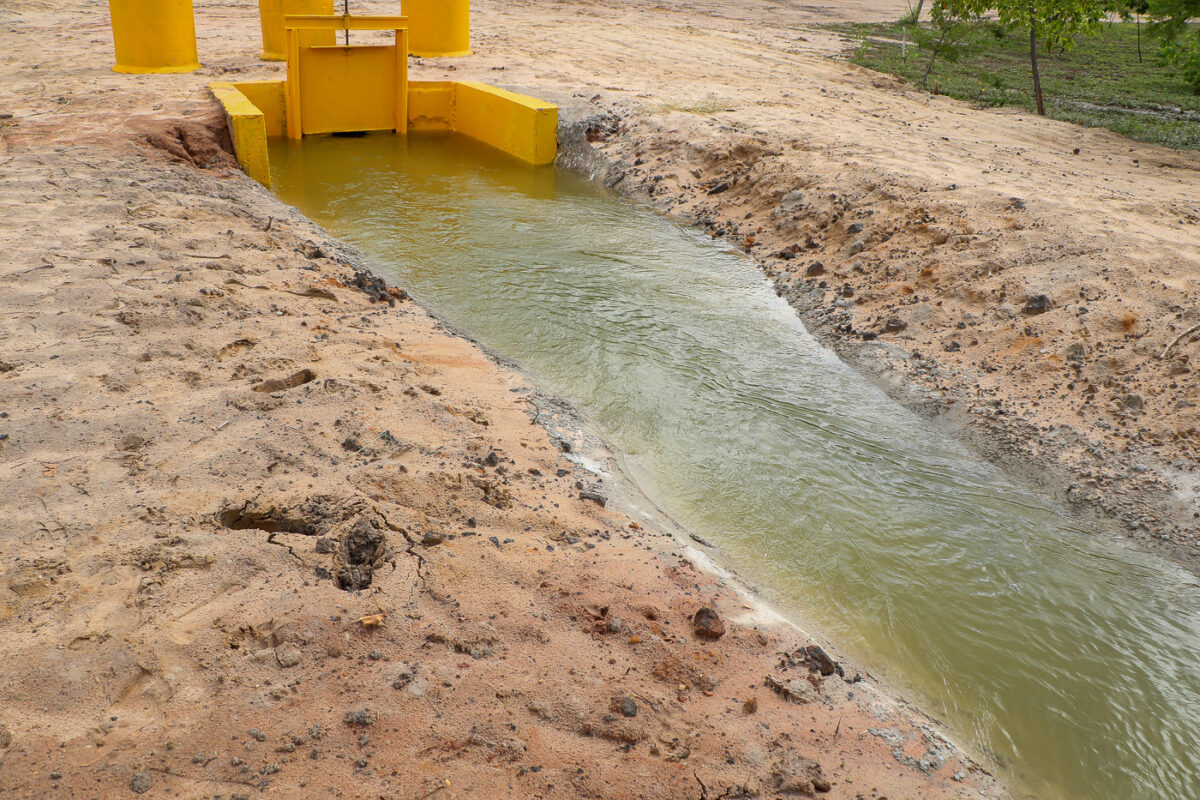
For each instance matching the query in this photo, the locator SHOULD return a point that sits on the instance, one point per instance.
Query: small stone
(855, 227)
(814, 269)
(708, 624)
(56, 776)
(856, 248)
(750, 706)
(325, 545)
(375, 655)
(140, 783)
(270, 769)
(287, 657)
(628, 707)
(894, 325)
(1038, 304)
(256, 735)
(5, 737)
(351, 444)
(1132, 404)
(594, 496)
(792, 200)
(723, 186)
(492, 459)
(431, 539)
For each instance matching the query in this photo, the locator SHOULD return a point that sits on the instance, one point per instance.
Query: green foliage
(1100, 83)
(1057, 22)
(1180, 47)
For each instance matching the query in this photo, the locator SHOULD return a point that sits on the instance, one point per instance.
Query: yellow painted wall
(518, 124)
(271, 14)
(431, 105)
(248, 129)
(267, 96)
(154, 35)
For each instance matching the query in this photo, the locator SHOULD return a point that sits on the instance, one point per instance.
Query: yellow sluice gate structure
(344, 88)
(154, 36)
(271, 15)
(349, 87)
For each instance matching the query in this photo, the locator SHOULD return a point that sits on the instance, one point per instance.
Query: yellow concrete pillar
(271, 14)
(154, 35)
(438, 27)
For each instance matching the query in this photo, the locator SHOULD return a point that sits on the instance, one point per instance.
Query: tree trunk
(917, 16)
(1139, 27)
(1033, 59)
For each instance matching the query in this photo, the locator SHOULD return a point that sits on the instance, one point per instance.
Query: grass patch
(1098, 84)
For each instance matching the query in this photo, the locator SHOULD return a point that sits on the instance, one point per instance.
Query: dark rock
(1038, 304)
(855, 227)
(707, 624)
(723, 186)
(894, 325)
(140, 783)
(820, 661)
(256, 735)
(814, 269)
(351, 444)
(375, 288)
(492, 459)
(430, 539)
(325, 545)
(361, 718)
(594, 496)
(628, 707)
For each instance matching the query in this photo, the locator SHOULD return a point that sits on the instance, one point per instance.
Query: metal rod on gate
(346, 11)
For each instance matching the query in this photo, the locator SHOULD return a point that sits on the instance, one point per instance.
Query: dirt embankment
(1034, 284)
(271, 528)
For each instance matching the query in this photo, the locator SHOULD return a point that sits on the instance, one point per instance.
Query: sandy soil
(272, 529)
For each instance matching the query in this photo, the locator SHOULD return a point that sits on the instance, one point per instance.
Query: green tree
(1052, 23)
(1181, 44)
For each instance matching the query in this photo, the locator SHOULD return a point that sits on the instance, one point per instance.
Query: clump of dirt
(362, 549)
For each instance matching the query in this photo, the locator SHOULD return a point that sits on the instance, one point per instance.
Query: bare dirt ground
(271, 529)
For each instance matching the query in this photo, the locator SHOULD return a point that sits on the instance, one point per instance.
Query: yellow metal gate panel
(347, 89)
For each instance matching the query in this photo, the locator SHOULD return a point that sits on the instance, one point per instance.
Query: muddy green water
(1072, 658)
